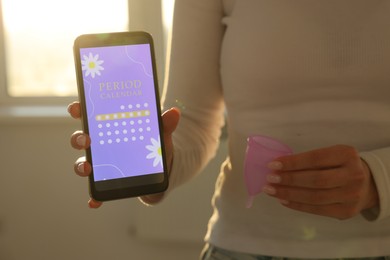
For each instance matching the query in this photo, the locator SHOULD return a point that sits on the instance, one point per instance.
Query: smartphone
(119, 98)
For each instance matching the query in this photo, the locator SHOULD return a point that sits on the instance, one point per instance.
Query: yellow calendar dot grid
(122, 115)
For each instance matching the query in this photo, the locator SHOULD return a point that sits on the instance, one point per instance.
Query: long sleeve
(379, 163)
(193, 85)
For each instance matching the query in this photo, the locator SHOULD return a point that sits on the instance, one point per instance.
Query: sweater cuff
(379, 163)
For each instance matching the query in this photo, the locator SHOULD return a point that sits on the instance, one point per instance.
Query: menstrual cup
(260, 151)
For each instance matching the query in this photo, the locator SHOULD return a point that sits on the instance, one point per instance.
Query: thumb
(170, 120)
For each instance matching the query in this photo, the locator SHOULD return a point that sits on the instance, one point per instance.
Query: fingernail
(269, 190)
(81, 140)
(273, 178)
(275, 165)
(80, 168)
(69, 108)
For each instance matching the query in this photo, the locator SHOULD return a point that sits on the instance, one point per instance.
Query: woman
(313, 74)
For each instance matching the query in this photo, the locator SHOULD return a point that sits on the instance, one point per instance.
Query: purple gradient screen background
(123, 123)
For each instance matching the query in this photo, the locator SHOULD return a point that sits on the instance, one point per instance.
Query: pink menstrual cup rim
(273, 149)
(270, 143)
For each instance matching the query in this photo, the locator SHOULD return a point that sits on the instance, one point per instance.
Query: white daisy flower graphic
(155, 152)
(91, 65)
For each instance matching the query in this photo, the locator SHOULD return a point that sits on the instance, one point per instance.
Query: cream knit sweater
(312, 73)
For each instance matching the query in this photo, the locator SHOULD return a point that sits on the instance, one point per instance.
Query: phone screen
(119, 89)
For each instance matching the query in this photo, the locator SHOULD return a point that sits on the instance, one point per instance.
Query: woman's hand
(332, 181)
(81, 141)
